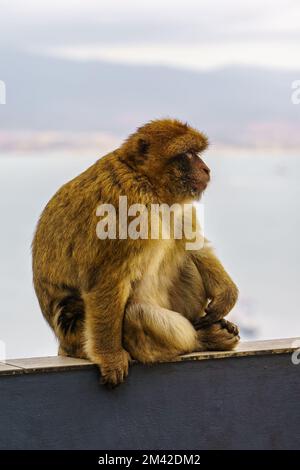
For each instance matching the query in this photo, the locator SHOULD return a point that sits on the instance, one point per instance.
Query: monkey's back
(65, 237)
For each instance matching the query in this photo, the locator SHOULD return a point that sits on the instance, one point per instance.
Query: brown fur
(108, 300)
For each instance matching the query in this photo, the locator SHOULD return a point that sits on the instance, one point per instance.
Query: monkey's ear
(142, 146)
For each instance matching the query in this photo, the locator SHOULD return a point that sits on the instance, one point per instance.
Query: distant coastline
(24, 142)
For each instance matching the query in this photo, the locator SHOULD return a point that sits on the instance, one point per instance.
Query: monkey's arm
(105, 305)
(219, 287)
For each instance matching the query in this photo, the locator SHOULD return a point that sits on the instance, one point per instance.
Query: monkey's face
(167, 152)
(187, 174)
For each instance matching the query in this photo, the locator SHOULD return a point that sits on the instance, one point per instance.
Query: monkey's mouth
(198, 186)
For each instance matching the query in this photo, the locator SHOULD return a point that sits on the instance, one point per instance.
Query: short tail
(63, 308)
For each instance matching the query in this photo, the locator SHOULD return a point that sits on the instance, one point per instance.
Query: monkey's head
(168, 152)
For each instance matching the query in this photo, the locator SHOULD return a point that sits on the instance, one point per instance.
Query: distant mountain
(234, 106)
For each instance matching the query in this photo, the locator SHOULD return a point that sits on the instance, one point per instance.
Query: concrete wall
(249, 402)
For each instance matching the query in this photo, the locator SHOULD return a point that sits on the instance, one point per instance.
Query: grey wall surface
(235, 403)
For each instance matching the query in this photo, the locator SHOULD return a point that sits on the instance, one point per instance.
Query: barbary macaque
(111, 300)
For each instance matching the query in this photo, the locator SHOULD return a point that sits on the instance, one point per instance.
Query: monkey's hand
(222, 301)
(114, 367)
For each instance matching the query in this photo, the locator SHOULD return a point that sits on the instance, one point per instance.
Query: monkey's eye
(182, 158)
(189, 155)
(186, 156)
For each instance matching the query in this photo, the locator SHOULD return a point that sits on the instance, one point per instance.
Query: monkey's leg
(152, 333)
(221, 336)
(104, 312)
(187, 294)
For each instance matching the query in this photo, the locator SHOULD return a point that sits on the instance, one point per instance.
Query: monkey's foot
(114, 367)
(221, 336)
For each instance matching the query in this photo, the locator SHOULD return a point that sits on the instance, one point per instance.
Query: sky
(195, 34)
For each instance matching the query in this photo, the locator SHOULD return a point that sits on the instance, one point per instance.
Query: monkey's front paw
(114, 367)
(218, 307)
(221, 336)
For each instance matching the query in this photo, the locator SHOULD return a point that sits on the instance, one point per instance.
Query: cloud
(63, 22)
(190, 34)
(268, 54)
